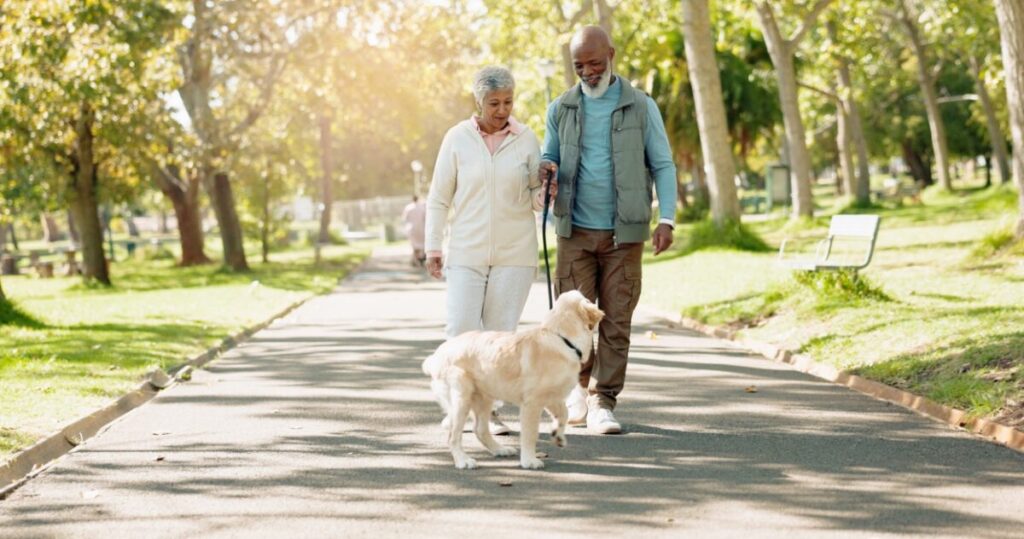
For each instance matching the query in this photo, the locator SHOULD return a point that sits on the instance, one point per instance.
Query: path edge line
(986, 429)
(36, 458)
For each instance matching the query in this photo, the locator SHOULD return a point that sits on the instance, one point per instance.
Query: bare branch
(826, 93)
(808, 21)
(955, 98)
(266, 92)
(578, 16)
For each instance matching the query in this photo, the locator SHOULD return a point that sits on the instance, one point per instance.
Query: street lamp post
(417, 169)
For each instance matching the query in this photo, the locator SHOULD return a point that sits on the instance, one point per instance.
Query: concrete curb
(31, 461)
(990, 430)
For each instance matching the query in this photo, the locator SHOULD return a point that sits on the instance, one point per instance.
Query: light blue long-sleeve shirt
(594, 205)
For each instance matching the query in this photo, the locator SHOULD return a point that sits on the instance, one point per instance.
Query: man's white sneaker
(601, 421)
(577, 404)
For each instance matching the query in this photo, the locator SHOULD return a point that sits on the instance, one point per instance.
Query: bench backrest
(854, 226)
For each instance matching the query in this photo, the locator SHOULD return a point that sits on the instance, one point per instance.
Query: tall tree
(707, 96)
(75, 78)
(230, 63)
(851, 131)
(783, 51)
(908, 16)
(1011, 32)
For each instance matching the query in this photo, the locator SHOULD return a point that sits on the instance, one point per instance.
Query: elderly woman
(486, 187)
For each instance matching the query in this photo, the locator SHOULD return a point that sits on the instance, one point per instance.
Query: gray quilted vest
(633, 183)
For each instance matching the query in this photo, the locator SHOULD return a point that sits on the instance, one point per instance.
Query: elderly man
(606, 141)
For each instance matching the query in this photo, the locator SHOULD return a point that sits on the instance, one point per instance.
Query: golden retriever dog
(535, 369)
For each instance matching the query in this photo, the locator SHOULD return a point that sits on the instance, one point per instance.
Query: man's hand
(548, 175)
(662, 238)
(434, 266)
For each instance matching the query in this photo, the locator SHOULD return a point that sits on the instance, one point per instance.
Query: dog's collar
(579, 353)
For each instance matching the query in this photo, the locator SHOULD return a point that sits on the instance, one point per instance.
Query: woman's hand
(434, 266)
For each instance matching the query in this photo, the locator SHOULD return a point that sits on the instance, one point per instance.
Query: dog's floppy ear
(590, 313)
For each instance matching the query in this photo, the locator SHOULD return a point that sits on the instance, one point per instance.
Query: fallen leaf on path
(160, 459)
(751, 389)
(505, 483)
(651, 335)
(161, 433)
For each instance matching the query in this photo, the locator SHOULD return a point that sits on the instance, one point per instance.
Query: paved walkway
(322, 425)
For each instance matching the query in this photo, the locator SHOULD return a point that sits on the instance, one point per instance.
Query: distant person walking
(485, 188)
(415, 215)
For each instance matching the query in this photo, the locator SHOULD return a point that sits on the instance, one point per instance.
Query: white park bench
(859, 231)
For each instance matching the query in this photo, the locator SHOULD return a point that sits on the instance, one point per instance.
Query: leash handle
(544, 240)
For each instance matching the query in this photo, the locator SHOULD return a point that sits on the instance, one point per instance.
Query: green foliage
(840, 285)
(997, 242)
(978, 374)
(731, 235)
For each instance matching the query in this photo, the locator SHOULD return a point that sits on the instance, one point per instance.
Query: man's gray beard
(602, 85)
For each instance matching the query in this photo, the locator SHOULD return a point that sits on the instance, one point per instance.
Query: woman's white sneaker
(602, 421)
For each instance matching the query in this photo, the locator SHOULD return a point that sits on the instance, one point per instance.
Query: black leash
(544, 239)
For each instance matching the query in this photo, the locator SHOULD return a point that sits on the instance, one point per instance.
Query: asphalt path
(323, 425)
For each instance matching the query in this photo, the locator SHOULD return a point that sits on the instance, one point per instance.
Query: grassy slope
(953, 330)
(82, 346)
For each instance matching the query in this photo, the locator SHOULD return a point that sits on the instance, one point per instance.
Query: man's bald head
(591, 37)
(592, 56)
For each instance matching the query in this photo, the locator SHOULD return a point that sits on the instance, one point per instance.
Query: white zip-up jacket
(486, 200)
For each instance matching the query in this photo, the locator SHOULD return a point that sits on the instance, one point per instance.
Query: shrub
(840, 284)
(732, 235)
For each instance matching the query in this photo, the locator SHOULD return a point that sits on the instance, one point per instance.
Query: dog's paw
(531, 464)
(504, 451)
(559, 439)
(466, 464)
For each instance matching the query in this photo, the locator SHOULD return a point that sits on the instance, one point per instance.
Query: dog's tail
(432, 367)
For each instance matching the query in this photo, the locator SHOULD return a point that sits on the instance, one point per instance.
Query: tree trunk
(3, 238)
(569, 72)
(265, 224)
(14, 237)
(327, 180)
(995, 134)
(707, 95)
(605, 16)
(129, 222)
(1011, 29)
(931, 100)
(919, 169)
(223, 202)
(184, 196)
(72, 229)
(781, 52)
(845, 146)
(51, 232)
(988, 171)
(860, 182)
(84, 204)
(701, 197)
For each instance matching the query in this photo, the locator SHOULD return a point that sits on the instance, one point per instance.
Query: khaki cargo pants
(609, 275)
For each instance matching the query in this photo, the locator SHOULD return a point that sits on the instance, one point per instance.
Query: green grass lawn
(72, 348)
(943, 315)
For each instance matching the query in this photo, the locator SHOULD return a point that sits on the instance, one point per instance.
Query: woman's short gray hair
(490, 79)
